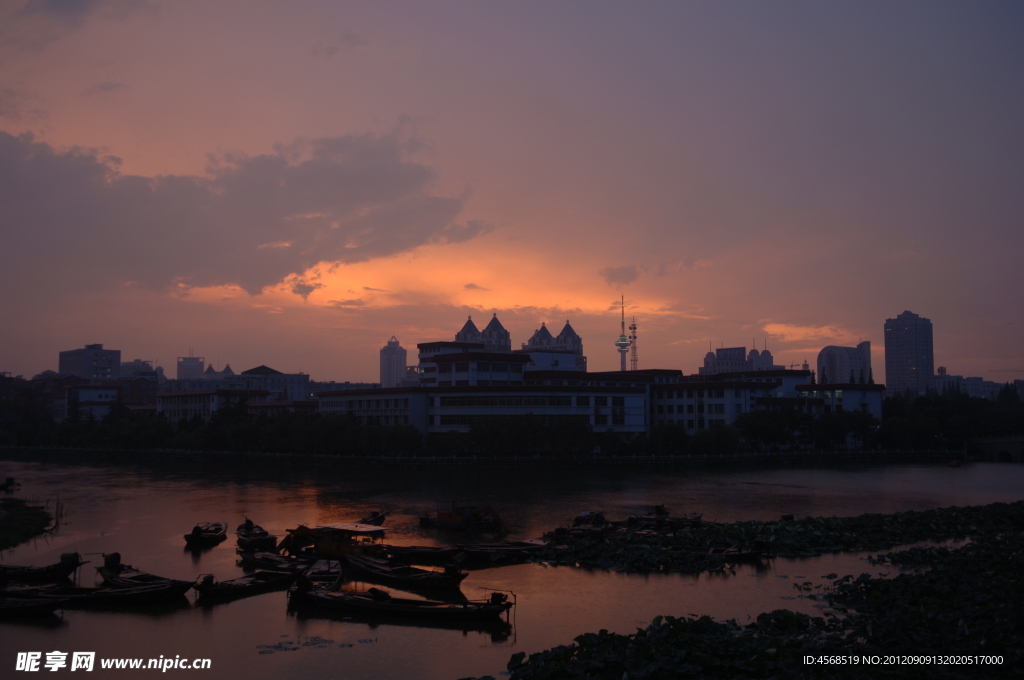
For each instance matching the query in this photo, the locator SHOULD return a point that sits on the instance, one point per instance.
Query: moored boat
(118, 575)
(254, 537)
(250, 584)
(375, 518)
(81, 597)
(268, 561)
(396, 573)
(381, 603)
(61, 570)
(207, 533)
(334, 540)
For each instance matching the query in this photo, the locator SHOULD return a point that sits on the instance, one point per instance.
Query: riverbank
(959, 618)
(20, 521)
(685, 551)
(685, 461)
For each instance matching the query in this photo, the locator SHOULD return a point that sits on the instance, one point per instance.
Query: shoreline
(20, 522)
(743, 460)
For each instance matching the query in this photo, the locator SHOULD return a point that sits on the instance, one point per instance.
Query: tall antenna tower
(632, 342)
(623, 342)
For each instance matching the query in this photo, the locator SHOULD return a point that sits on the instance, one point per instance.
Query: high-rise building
(392, 363)
(191, 368)
(93, 362)
(909, 360)
(845, 364)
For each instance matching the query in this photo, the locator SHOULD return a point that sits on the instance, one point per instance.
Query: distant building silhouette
(845, 364)
(393, 358)
(190, 368)
(93, 362)
(909, 359)
(734, 359)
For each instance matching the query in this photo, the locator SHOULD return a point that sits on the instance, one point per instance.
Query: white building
(393, 359)
(190, 368)
(845, 364)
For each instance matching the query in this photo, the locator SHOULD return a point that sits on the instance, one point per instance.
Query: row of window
(717, 409)
(463, 367)
(503, 400)
(470, 420)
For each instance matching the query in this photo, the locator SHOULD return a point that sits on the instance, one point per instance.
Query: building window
(461, 383)
(444, 368)
(583, 401)
(618, 419)
(670, 408)
(483, 383)
(483, 365)
(499, 368)
(600, 401)
(661, 409)
(462, 367)
(618, 401)
(444, 383)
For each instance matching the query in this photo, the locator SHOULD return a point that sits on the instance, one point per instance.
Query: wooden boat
(79, 597)
(375, 518)
(250, 584)
(17, 607)
(117, 575)
(334, 540)
(396, 573)
(207, 533)
(54, 572)
(467, 518)
(381, 603)
(268, 561)
(254, 537)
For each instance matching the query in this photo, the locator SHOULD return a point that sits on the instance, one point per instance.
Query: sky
(291, 184)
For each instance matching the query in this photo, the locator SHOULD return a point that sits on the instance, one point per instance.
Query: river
(142, 509)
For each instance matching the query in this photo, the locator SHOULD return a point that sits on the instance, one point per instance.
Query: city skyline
(300, 184)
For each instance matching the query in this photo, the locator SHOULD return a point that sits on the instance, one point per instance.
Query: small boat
(17, 607)
(117, 575)
(207, 533)
(375, 518)
(381, 603)
(254, 537)
(250, 584)
(55, 572)
(396, 573)
(268, 561)
(79, 597)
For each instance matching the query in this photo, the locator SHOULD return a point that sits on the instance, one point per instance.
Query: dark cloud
(251, 221)
(104, 88)
(304, 289)
(374, 290)
(40, 22)
(619, 276)
(19, 105)
(347, 303)
(473, 286)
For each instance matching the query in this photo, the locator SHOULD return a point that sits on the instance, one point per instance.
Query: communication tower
(623, 342)
(632, 342)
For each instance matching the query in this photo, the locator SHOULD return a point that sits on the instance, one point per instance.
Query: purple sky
(292, 183)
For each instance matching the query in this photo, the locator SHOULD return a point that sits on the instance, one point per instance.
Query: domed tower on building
(495, 337)
(469, 333)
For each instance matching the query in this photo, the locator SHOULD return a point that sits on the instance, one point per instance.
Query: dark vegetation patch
(810, 536)
(20, 521)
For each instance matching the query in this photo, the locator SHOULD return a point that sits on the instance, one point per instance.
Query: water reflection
(142, 509)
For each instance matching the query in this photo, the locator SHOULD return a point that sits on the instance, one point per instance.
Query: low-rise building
(177, 406)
